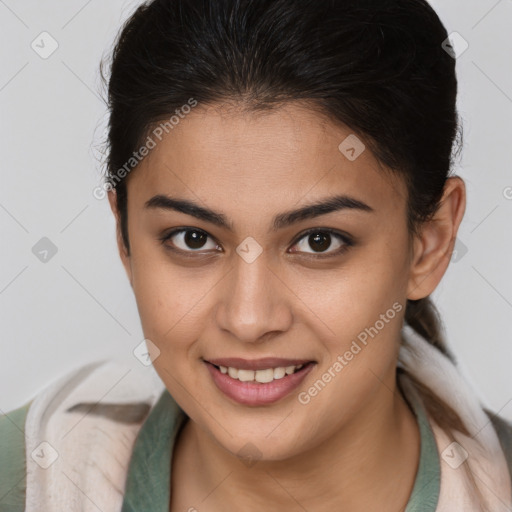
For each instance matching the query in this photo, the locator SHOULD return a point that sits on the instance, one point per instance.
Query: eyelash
(347, 242)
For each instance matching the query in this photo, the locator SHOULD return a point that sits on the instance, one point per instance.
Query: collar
(149, 472)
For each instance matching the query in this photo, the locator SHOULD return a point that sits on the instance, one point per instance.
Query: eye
(188, 240)
(321, 239)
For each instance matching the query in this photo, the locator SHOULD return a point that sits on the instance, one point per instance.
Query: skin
(355, 446)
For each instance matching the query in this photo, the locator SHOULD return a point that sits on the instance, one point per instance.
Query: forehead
(220, 154)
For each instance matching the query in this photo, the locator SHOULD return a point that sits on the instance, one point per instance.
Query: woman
(279, 171)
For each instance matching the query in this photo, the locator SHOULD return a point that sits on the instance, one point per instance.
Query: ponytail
(423, 316)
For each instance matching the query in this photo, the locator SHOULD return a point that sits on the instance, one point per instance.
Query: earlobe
(434, 246)
(123, 253)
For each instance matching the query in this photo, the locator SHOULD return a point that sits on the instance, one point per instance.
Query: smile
(261, 376)
(258, 387)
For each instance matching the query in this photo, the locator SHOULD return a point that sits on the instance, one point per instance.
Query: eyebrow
(282, 220)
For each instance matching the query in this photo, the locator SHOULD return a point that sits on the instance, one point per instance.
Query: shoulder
(91, 414)
(12, 459)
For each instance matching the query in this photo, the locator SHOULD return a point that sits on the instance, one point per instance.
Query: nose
(254, 303)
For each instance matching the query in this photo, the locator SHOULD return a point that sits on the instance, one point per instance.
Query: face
(245, 279)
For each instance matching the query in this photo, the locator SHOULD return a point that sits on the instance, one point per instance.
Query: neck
(368, 464)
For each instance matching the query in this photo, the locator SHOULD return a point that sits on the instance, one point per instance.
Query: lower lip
(255, 393)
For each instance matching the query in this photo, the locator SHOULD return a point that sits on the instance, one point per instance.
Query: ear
(433, 248)
(123, 251)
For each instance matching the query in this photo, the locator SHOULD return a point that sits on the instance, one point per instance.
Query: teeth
(279, 373)
(245, 375)
(264, 376)
(289, 370)
(261, 376)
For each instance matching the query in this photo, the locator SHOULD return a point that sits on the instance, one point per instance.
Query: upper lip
(257, 364)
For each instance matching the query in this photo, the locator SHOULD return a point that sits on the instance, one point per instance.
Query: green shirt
(149, 490)
(149, 473)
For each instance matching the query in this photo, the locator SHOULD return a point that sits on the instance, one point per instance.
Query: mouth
(258, 382)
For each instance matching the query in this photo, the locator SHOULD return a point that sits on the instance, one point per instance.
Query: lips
(257, 364)
(264, 390)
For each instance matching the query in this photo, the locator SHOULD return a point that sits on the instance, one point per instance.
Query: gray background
(78, 306)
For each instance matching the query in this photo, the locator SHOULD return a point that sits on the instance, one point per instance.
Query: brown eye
(194, 239)
(321, 240)
(189, 240)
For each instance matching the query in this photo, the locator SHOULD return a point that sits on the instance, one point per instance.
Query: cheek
(364, 315)
(363, 309)
(162, 295)
(358, 297)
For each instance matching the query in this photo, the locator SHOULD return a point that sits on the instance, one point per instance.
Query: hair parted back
(376, 66)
